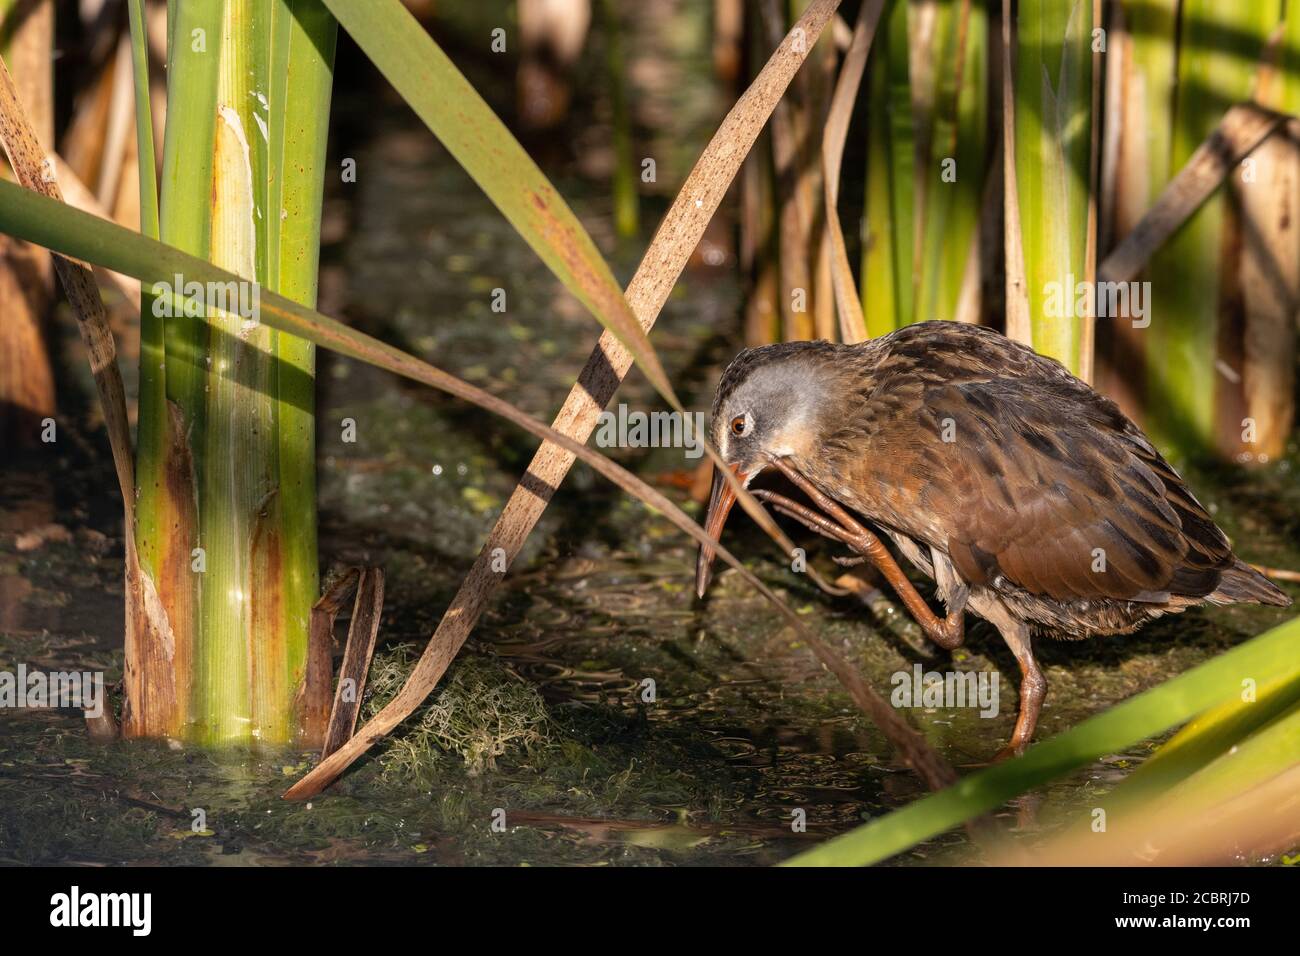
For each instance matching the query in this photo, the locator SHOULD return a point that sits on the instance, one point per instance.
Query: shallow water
(744, 727)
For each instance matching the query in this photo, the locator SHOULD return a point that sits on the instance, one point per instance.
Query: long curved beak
(721, 498)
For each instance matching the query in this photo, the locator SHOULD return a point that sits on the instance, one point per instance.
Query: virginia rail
(1028, 498)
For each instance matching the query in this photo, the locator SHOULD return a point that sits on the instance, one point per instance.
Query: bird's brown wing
(1035, 478)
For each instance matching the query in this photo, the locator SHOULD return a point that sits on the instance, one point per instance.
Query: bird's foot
(947, 632)
(801, 513)
(1007, 752)
(1003, 755)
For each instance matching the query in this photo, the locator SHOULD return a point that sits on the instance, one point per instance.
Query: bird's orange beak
(721, 498)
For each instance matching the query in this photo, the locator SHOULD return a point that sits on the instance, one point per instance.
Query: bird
(1028, 497)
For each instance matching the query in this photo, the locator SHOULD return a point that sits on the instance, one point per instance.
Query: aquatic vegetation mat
(481, 712)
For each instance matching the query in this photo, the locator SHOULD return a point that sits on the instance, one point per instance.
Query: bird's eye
(739, 425)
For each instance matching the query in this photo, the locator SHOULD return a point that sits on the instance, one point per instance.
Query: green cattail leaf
(454, 112)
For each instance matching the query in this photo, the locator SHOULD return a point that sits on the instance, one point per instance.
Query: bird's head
(769, 405)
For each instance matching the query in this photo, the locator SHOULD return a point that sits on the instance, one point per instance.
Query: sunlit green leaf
(1276, 653)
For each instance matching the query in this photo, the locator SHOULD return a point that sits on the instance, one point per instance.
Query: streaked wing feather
(978, 446)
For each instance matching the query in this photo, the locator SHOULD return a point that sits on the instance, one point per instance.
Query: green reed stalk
(152, 386)
(1271, 656)
(1153, 28)
(158, 687)
(902, 158)
(928, 104)
(958, 133)
(231, 454)
(1053, 156)
(887, 239)
(153, 708)
(627, 213)
(303, 71)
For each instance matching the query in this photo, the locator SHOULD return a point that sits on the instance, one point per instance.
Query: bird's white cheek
(791, 443)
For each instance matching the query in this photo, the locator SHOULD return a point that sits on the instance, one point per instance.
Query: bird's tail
(1243, 584)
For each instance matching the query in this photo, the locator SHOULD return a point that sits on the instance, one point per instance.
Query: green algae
(479, 712)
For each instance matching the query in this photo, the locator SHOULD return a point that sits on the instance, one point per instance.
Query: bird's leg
(1033, 686)
(801, 513)
(810, 519)
(948, 632)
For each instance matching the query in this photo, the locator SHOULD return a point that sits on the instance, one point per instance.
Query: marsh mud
(599, 714)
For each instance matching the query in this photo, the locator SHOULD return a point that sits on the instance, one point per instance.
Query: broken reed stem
(320, 653)
(1243, 127)
(363, 631)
